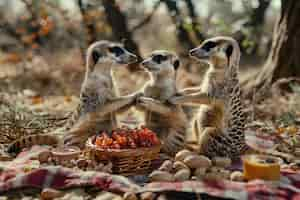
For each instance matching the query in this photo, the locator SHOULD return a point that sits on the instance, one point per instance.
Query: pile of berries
(126, 138)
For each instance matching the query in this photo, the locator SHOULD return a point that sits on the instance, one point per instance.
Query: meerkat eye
(208, 45)
(159, 58)
(116, 50)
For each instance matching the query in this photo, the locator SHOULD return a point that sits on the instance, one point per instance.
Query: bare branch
(148, 18)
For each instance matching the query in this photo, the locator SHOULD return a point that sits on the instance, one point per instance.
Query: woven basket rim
(90, 144)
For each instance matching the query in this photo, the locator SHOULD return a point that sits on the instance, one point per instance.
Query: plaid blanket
(287, 188)
(24, 171)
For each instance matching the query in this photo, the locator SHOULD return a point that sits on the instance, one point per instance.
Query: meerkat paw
(155, 105)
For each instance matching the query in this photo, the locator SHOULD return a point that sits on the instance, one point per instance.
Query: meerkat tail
(174, 142)
(30, 140)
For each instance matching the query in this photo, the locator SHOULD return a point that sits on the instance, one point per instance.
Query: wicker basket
(125, 161)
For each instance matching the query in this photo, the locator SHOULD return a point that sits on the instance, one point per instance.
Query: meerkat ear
(176, 64)
(229, 51)
(96, 55)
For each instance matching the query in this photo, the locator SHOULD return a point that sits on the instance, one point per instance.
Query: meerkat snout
(204, 51)
(121, 55)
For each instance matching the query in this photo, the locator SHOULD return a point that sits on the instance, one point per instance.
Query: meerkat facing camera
(167, 120)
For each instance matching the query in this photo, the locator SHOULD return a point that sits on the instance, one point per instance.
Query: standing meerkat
(220, 122)
(167, 120)
(99, 101)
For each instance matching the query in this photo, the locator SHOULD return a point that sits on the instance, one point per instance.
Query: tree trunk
(283, 60)
(181, 32)
(118, 22)
(257, 17)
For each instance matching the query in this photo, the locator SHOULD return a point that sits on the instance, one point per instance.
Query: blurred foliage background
(47, 38)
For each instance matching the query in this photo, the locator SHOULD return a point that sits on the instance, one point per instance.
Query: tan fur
(220, 121)
(99, 103)
(168, 121)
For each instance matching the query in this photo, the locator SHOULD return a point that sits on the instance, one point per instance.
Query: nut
(196, 161)
(213, 176)
(178, 165)
(48, 194)
(162, 197)
(221, 162)
(182, 175)
(181, 155)
(200, 172)
(161, 176)
(225, 174)
(236, 176)
(215, 169)
(129, 196)
(166, 166)
(147, 196)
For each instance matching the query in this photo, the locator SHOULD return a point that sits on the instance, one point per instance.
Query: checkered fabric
(24, 171)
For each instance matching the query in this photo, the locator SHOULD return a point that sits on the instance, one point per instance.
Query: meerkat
(168, 121)
(99, 101)
(220, 121)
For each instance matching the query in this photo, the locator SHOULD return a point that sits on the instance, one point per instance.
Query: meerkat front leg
(195, 98)
(174, 142)
(117, 104)
(155, 105)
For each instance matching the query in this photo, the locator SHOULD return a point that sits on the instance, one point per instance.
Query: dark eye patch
(208, 45)
(96, 55)
(116, 50)
(176, 64)
(159, 58)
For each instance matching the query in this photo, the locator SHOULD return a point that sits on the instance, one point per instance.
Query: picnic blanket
(288, 188)
(24, 171)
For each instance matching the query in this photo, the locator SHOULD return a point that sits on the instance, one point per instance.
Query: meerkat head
(161, 62)
(219, 51)
(109, 53)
